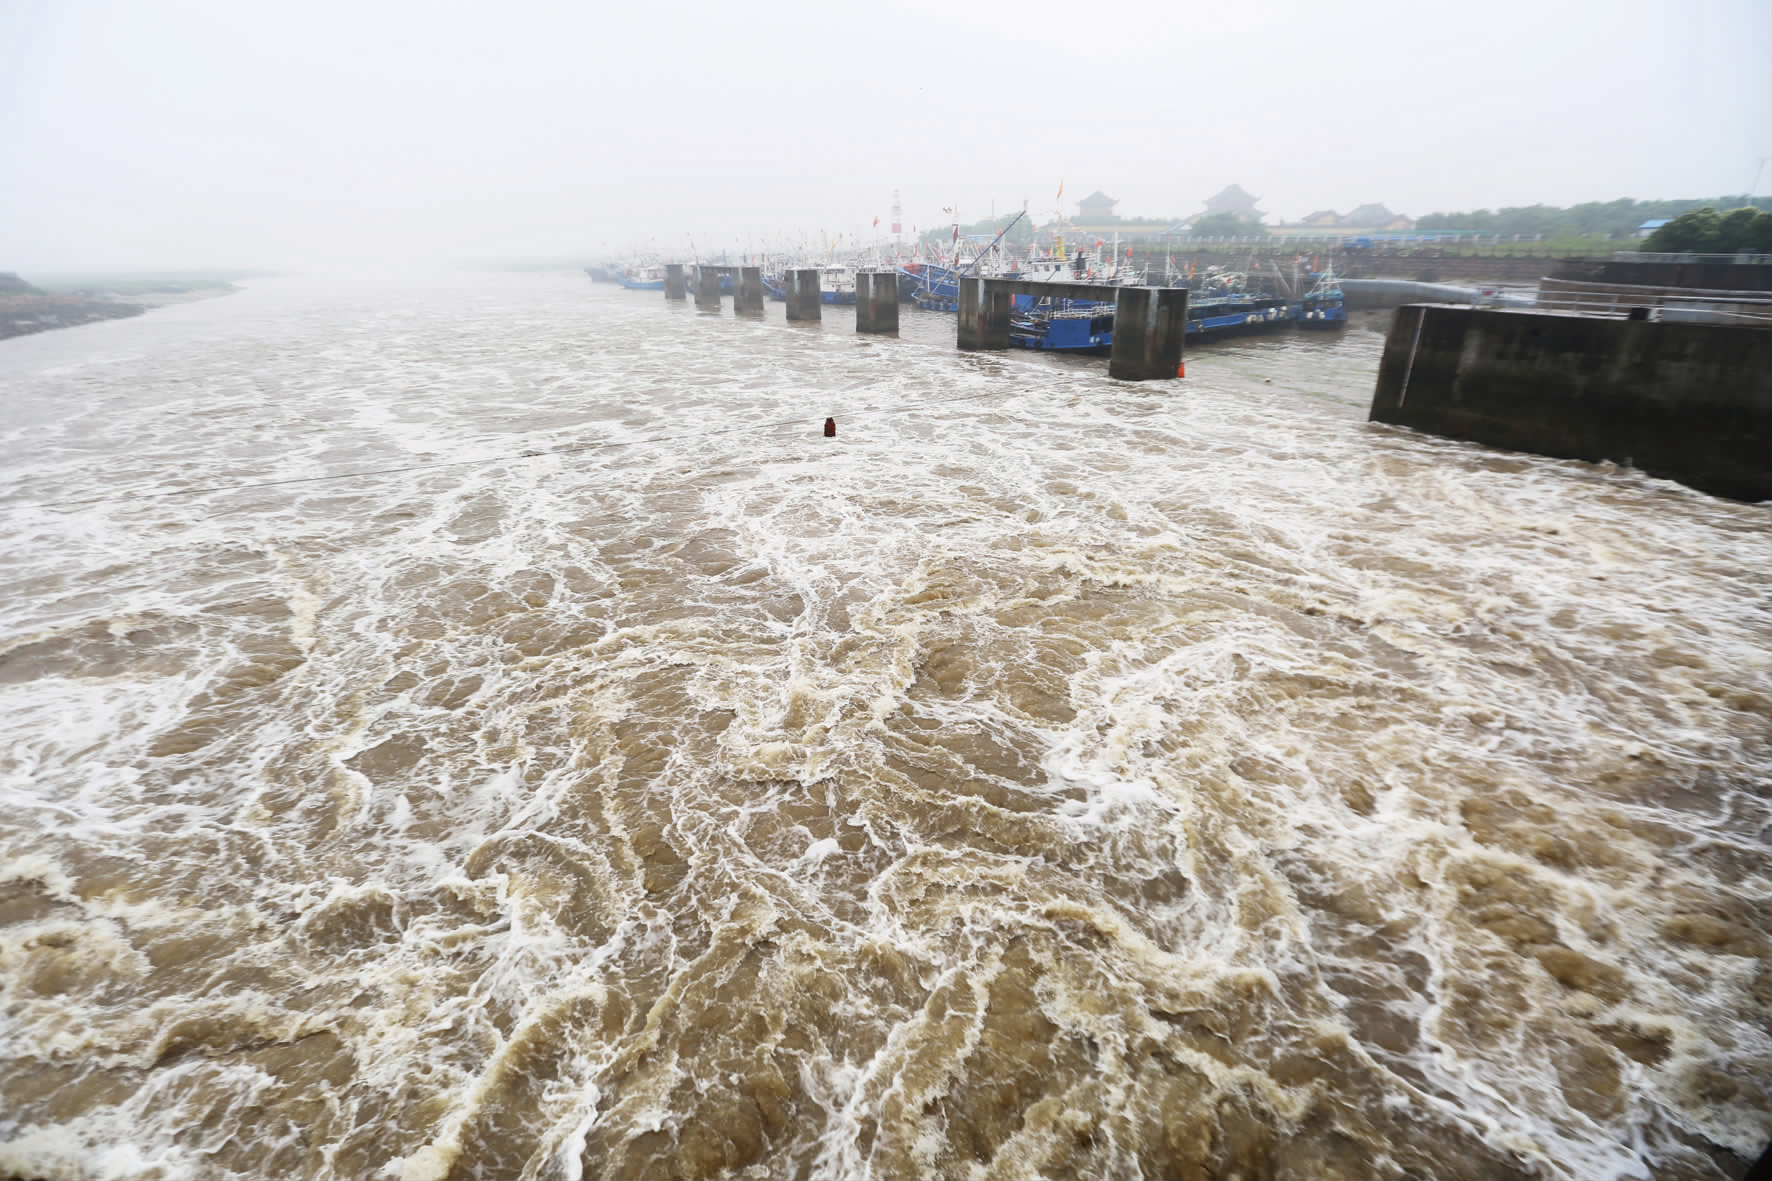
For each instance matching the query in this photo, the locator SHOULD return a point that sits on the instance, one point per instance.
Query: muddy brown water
(1045, 777)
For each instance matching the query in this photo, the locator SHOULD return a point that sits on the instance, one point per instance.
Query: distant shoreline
(30, 310)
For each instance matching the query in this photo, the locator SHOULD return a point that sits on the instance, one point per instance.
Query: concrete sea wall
(1689, 402)
(1709, 275)
(1421, 267)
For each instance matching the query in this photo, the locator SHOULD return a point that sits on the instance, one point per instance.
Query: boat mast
(994, 241)
(1058, 225)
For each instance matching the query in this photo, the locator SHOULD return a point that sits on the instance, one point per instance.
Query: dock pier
(876, 302)
(1150, 323)
(747, 291)
(707, 288)
(805, 300)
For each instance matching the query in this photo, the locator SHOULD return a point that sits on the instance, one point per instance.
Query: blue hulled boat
(1221, 304)
(1228, 315)
(1079, 327)
(1323, 305)
(836, 283)
(933, 287)
(642, 278)
(725, 283)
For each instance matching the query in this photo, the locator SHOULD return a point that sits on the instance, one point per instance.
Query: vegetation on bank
(172, 283)
(1705, 231)
(68, 301)
(1606, 219)
(1594, 227)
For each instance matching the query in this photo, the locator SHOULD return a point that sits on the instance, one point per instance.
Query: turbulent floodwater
(1046, 777)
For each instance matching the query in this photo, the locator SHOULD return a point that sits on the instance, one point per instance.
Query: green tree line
(1021, 235)
(1608, 218)
(1705, 231)
(1716, 233)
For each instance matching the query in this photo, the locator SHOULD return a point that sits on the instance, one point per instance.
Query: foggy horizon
(192, 135)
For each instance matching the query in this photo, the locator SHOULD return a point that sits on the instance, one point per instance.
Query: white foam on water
(663, 785)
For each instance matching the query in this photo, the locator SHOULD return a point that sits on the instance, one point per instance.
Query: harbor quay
(1150, 323)
(1672, 379)
(1691, 402)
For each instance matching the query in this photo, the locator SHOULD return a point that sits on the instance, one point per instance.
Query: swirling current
(479, 727)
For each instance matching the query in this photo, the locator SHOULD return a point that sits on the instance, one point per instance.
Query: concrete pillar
(876, 301)
(1150, 324)
(707, 288)
(674, 285)
(984, 317)
(747, 293)
(805, 301)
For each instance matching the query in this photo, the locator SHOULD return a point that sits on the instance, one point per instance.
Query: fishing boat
(836, 283)
(935, 286)
(1083, 326)
(1222, 304)
(1323, 305)
(647, 277)
(725, 280)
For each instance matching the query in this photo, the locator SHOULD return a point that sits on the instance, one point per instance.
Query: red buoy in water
(1181, 369)
(830, 428)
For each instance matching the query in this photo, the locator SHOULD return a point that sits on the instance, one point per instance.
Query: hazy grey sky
(146, 133)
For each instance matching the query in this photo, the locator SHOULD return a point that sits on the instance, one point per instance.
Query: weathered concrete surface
(876, 301)
(747, 291)
(675, 288)
(1714, 276)
(805, 300)
(1689, 402)
(1150, 324)
(707, 288)
(984, 316)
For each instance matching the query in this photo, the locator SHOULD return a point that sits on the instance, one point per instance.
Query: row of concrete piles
(1150, 323)
(876, 293)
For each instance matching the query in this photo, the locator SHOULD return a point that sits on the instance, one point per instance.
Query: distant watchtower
(1096, 207)
(1233, 199)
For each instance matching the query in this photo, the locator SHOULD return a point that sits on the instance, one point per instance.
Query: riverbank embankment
(26, 308)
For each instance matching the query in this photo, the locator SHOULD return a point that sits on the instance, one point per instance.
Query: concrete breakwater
(1690, 402)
